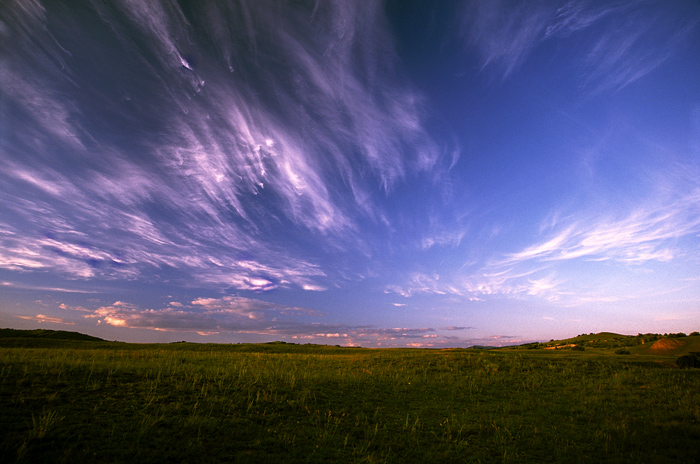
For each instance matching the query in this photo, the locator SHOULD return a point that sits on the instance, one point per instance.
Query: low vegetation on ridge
(672, 344)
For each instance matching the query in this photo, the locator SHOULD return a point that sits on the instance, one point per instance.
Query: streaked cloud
(22, 286)
(503, 32)
(645, 234)
(419, 283)
(636, 42)
(627, 39)
(441, 236)
(40, 318)
(300, 137)
(601, 239)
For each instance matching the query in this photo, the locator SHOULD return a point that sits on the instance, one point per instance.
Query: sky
(355, 173)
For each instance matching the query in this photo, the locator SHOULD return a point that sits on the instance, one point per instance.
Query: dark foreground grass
(186, 403)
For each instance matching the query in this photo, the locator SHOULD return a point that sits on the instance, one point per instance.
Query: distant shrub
(578, 348)
(622, 351)
(695, 333)
(689, 360)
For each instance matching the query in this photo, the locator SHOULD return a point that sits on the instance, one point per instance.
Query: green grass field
(91, 401)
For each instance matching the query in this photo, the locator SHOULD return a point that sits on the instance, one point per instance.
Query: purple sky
(354, 173)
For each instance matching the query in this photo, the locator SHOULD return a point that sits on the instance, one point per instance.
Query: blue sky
(354, 173)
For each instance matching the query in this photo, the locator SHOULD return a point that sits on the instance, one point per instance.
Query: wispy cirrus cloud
(651, 234)
(645, 234)
(443, 232)
(422, 283)
(628, 39)
(638, 44)
(78, 257)
(172, 142)
(563, 263)
(503, 32)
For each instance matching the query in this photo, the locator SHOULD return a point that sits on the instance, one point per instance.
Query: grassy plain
(85, 401)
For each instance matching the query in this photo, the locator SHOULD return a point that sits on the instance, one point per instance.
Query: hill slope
(670, 346)
(641, 344)
(47, 334)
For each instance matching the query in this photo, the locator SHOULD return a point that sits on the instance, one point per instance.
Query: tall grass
(300, 404)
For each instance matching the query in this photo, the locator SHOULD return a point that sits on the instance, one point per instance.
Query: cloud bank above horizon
(374, 173)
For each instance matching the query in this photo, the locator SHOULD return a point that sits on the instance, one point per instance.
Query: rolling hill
(47, 334)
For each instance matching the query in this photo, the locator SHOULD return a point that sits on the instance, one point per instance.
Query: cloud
(645, 234)
(539, 283)
(440, 237)
(564, 262)
(649, 235)
(42, 318)
(401, 333)
(228, 145)
(636, 42)
(43, 288)
(248, 307)
(239, 315)
(418, 283)
(228, 313)
(503, 32)
(74, 308)
(627, 39)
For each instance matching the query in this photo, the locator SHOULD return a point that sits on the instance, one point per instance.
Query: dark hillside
(47, 334)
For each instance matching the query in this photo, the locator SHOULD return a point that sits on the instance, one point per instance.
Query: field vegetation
(76, 400)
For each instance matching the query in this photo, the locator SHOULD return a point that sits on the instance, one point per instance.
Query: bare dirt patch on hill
(667, 346)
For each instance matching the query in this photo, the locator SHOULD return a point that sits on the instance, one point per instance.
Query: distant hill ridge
(640, 344)
(47, 334)
(669, 344)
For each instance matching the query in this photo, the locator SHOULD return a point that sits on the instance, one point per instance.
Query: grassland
(91, 401)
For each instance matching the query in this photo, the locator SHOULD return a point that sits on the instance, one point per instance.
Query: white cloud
(646, 234)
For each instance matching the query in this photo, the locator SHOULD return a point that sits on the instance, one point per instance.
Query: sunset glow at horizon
(423, 174)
